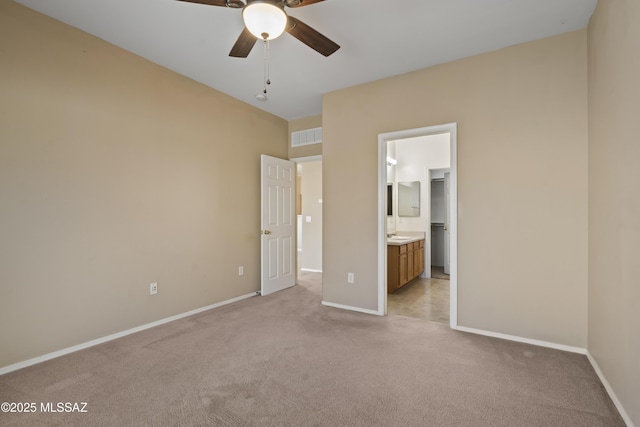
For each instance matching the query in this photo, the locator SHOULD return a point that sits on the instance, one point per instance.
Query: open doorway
(419, 168)
(309, 215)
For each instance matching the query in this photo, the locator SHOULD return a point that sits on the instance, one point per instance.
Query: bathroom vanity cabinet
(405, 262)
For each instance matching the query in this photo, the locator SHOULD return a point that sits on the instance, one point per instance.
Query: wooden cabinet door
(392, 269)
(404, 263)
(403, 269)
(410, 262)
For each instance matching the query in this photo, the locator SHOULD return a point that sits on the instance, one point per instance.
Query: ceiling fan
(266, 19)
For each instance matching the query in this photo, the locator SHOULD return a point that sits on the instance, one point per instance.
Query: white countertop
(404, 237)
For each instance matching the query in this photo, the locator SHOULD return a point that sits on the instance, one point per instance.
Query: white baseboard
(556, 346)
(49, 356)
(609, 389)
(310, 270)
(350, 308)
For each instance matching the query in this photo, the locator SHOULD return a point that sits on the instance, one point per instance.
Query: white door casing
(447, 233)
(277, 198)
(383, 138)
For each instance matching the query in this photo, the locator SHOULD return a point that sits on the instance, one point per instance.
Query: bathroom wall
(415, 157)
(391, 179)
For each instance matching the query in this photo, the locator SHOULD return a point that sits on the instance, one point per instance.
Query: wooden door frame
(383, 138)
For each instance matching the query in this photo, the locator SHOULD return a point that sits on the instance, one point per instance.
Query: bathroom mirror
(409, 198)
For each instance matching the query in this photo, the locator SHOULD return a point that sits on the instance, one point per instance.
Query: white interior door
(277, 224)
(447, 233)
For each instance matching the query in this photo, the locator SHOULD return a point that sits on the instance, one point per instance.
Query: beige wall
(115, 173)
(522, 191)
(614, 198)
(303, 124)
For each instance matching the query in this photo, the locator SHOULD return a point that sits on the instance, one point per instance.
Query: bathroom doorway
(426, 156)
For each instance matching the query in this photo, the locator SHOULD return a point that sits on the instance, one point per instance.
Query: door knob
(265, 232)
(444, 228)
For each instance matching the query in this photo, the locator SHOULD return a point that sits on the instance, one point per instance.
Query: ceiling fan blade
(300, 3)
(243, 45)
(310, 37)
(209, 2)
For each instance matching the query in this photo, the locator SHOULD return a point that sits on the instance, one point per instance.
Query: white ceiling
(378, 38)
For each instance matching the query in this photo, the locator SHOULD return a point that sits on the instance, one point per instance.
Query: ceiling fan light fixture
(264, 20)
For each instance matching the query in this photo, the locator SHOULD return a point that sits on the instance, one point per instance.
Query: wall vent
(306, 137)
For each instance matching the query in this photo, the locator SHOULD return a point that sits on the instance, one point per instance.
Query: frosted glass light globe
(264, 20)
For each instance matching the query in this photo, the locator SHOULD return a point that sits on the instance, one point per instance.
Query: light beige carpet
(286, 360)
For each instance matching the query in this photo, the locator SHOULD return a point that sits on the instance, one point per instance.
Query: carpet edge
(82, 346)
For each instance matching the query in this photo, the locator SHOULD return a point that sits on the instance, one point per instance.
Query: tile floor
(426, 299)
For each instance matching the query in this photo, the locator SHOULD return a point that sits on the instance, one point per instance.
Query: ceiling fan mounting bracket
(279, 3)
(235, 4)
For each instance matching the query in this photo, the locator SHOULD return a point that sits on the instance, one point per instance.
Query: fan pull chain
(267, 81)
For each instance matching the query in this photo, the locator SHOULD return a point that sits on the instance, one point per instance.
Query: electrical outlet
(153, 288)
(241, 270)
(350, 278)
